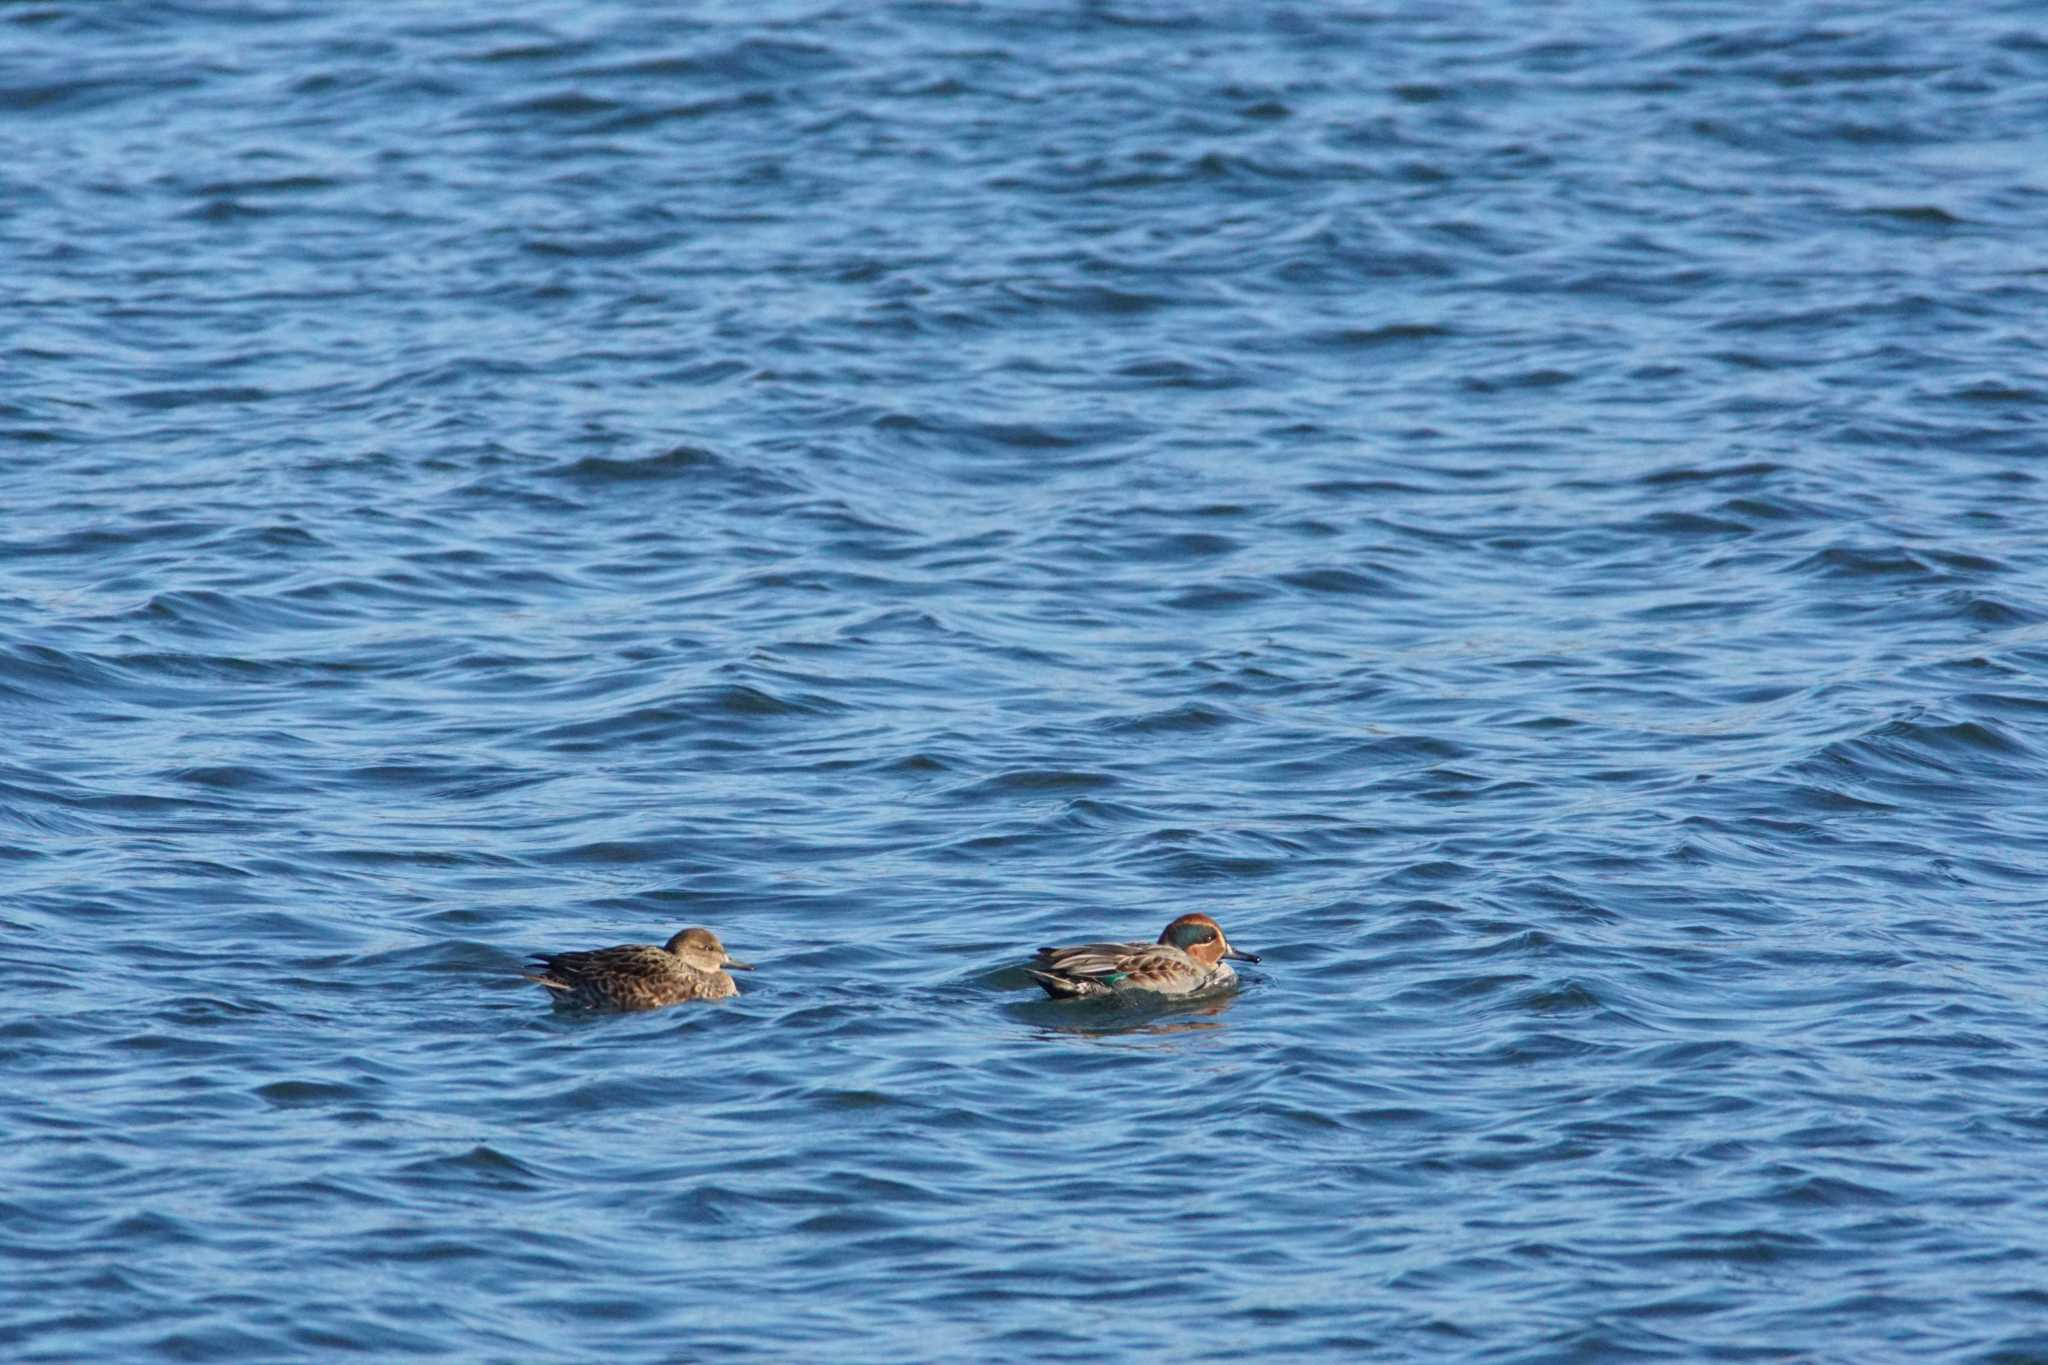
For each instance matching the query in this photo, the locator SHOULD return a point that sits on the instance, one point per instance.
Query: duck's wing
(1158, 967)
(561, 971)
(1123, 966)
(1095, 961)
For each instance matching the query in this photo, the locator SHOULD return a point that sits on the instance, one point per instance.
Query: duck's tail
(1067, 987)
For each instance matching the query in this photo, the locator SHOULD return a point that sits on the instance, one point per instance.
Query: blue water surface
(1531, 515)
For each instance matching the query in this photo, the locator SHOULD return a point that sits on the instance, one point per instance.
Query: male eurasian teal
(640, 976)
(1187, 960)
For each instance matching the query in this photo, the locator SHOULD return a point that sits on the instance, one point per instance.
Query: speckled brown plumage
(640, 976)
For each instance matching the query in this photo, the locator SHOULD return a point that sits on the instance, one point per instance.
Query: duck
(693, 965)
(1188, 959)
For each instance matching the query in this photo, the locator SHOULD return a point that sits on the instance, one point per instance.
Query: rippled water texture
(1530, 515)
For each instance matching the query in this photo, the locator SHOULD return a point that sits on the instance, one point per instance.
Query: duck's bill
(1242, 956)
(732, 966)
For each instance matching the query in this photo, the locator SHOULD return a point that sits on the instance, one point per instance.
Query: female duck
(640, 976)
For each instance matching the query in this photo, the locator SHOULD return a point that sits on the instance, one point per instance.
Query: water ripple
(1532, 527)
